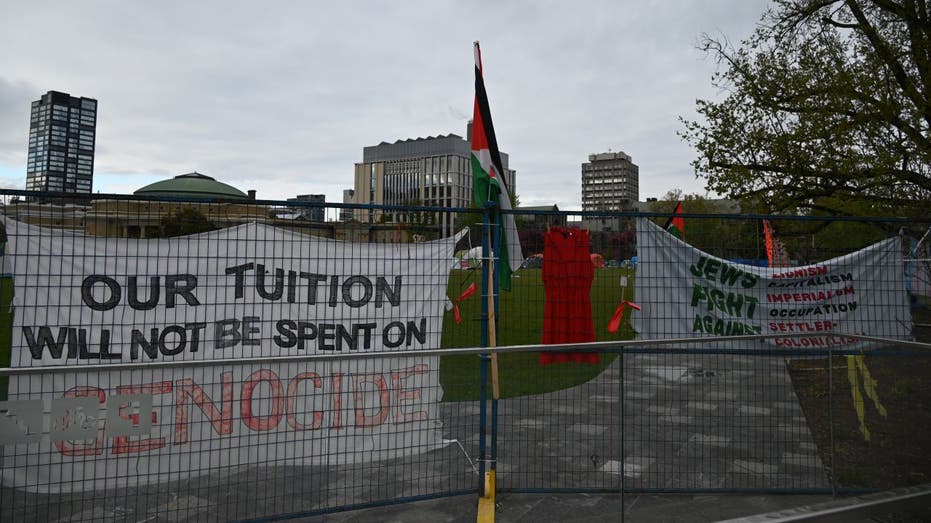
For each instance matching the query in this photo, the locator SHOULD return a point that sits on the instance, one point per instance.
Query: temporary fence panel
(240, 360)
(238, 440)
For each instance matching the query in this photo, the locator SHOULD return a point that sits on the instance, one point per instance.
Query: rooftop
(191, 185)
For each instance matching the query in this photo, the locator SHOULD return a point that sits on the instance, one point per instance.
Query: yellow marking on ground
(856, 365)
(486, 503)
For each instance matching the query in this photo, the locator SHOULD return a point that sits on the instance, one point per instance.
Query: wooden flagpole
(492, 331)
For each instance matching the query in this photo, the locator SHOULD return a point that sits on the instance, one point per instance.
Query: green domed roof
(194, 185)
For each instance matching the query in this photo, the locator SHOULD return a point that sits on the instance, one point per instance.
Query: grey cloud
(15, 102)
(284, 97)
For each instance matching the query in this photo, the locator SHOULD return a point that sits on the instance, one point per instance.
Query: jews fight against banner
(251, 291)
(685, 293)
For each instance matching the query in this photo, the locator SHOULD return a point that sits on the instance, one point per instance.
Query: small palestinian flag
(676, 223)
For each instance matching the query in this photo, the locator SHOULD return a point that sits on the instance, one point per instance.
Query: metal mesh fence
(237, 360)
(195, 462)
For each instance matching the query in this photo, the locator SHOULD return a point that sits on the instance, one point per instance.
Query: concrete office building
(346, 215)
(62, 136)
(313, 214)
(610, 182)
(433, 171)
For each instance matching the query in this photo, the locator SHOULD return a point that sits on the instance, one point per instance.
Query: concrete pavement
(553, 508)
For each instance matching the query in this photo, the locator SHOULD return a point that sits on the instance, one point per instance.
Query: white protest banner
(251, 291)
(686, 293)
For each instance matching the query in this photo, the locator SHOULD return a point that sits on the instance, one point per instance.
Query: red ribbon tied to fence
(470, 290)
(615, 322)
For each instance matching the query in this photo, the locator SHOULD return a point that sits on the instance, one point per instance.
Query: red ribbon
(615, 322)
(470, 290)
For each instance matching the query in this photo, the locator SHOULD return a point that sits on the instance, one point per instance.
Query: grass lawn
(520, 322)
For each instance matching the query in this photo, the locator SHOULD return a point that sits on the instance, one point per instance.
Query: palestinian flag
(776, 251)
(768, 235)
(676, 223)
(488, 184)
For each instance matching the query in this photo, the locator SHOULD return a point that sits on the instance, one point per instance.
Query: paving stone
(662, 409)
(748, 410)
(740, 374)
(588, 430)
(639, 395)
(667, 373)
(604, 398)
(720, 396)
(676, 419)
(796, 430)
(97, 514)
(801, 460)
(654, 382)
(562, 409)
(710, 439)
(611, 466)
(531, 423)
(754, 467)
(634, 466)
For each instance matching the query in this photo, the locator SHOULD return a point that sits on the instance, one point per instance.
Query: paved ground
(689, 422)
(552, 508)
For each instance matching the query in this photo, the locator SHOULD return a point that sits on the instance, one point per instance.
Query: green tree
(828, 108)
(184, 221)
(723, 237)
(414, 219)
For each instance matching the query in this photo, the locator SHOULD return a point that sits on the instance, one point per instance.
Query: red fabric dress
(567, 280)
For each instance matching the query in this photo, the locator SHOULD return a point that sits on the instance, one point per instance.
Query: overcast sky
(282, 97)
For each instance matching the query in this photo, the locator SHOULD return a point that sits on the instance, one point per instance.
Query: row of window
(75, 130)
(38, 164)
(72, 140)
(599, 181)
(59, 167)
(70, 145)
(606, 166)
(601, 195)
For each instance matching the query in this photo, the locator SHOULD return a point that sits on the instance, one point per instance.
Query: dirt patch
(897, 452)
